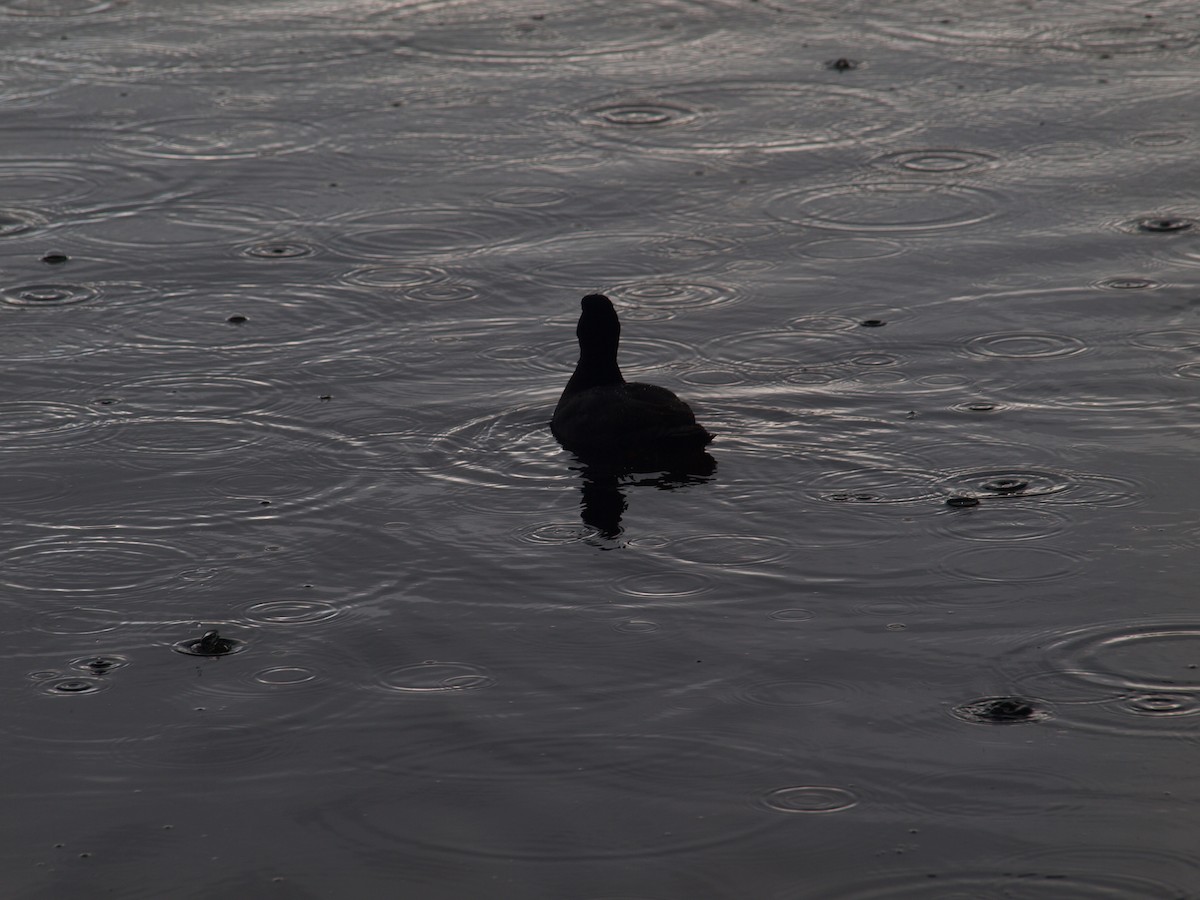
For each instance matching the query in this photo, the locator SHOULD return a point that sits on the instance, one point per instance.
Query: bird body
(601, 415)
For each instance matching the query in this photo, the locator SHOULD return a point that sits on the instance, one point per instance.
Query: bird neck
(597, 367)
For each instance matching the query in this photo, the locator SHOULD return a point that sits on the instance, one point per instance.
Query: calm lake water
(288, 293)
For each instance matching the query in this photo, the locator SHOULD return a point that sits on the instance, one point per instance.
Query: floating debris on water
(1001, 711)
(210, 644)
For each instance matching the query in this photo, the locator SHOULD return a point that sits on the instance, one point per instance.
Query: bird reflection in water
(602, 495)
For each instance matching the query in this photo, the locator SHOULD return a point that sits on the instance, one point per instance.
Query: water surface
(287, 295)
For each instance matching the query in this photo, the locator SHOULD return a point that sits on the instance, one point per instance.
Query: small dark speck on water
(236, 320)
(872, 323)
(842, 64)
(962, 501)
(325, 397)
(1164, 224)
(55, 259)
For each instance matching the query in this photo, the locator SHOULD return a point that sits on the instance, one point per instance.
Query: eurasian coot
(600, 415)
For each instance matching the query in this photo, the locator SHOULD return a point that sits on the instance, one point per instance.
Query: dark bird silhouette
(602, 417)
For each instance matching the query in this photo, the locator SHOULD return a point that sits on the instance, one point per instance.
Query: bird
(601, 416)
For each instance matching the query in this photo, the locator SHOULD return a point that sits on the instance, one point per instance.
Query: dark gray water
(291, 383)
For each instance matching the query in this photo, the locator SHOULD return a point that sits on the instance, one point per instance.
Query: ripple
(1159, 139)
(50, 182)
(571, 260)
(430, 232)
(852, 248)
(898, 206)
(510, 448)
(178, 225)
(19, 221)
(1005, 483)
(432, 676)
(638, 114)
(934, 162)
(783, 352)
(567, 629)
(659, 585)
(285, 675)
(443, 293)
(822, 324)
(809, 799)
(1025, 345)
(529, 197)
(284, 317)
(991, 791)
(1140, 657)
(730, 549)
(1188, 370)
(28, 424)
(1008, 523)
(654, 759)
(186, 434)
(877, 484)
(58, 8)
(1091, 858)
(211, 643)
(308, 42)
(1129, 283)
(491, 32)
(1172, 339)
(71, 686)
(719, 377)
(1046, 883)
(221, 137)
(33, 489)
(1159, 225)
(707, 779)
(797, 693)
(197, 393)
(78, 620)
(1144, 715)
(1134, 679)
(555, 533)
(1018, 565)
(278, 250)
(792, 614)
(398, 275)
(615, 830)
(39, 295)
(723, 116)
(1162, 705)
(99, 665)
(675, 294)
(947, 26)
(1147, 36)
(91, 565)
(427, 284)
(291, 612)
